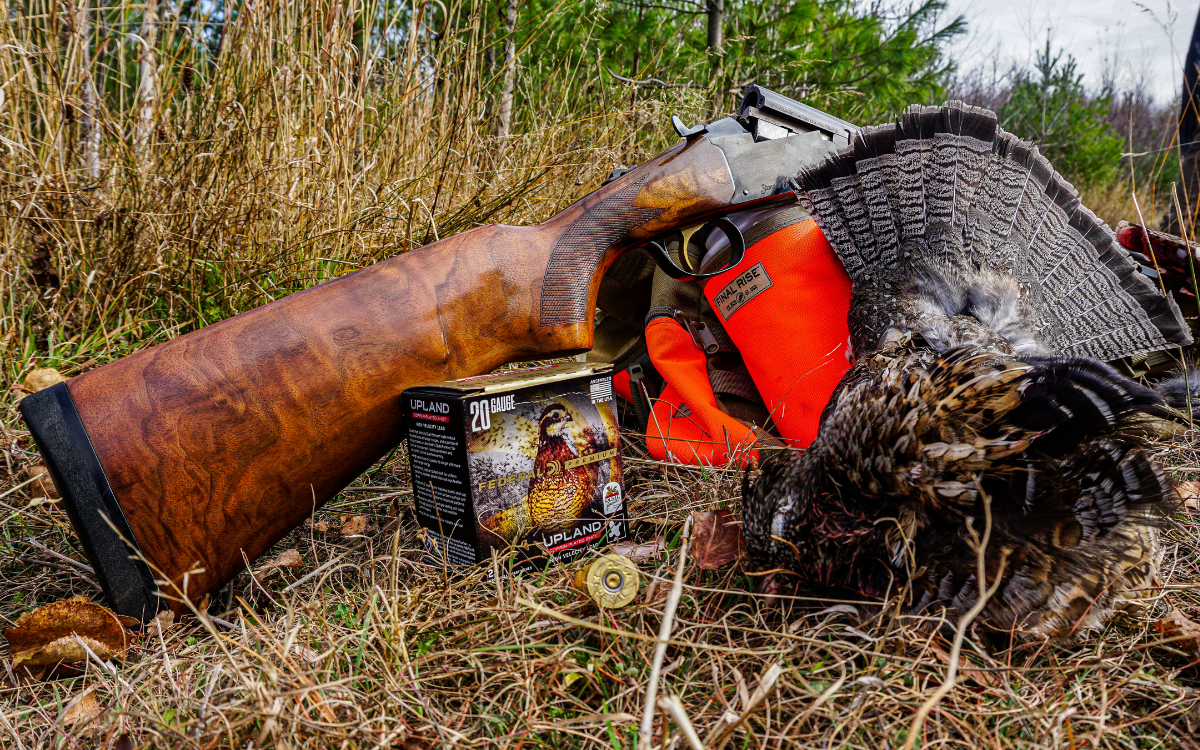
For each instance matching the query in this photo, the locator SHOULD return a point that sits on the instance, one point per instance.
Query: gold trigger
(687, 233)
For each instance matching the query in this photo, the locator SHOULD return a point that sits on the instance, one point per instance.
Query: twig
(1146, 240)
(11, 490)
(652, 83)
(1187, 371)
(15, 734)
(208, 691)
(766, 685)
(673, 706)
(318, 571)
(964, 622)
(73, 563)
(664, 634)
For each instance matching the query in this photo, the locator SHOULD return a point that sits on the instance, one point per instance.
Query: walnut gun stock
(202, 452)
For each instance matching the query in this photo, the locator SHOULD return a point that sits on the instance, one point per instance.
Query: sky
(1143, 40)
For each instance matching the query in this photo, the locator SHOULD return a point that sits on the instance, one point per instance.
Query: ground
(363, 645)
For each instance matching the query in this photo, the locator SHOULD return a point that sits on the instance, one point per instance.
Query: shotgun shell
(611, 580)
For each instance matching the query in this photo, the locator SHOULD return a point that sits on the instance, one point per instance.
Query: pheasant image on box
(979, 416)
(538, 462)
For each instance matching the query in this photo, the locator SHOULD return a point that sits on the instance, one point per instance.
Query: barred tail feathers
(945, 186)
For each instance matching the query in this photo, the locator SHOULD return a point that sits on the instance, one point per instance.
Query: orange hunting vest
(783, 308)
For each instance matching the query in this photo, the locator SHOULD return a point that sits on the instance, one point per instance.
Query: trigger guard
(737, 247)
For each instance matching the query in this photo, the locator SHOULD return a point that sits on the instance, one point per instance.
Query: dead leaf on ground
(289, 558)
(129, 622)
(1189, 494)
(163, 622)
(354, 525)
(47, 635)
(42, 485)
(966, 668)
(772, 586)
(83, 707)
(1184, 632)
(716, 539)
(321, 527)
(305, 653)
(641, 552)
(42, 378)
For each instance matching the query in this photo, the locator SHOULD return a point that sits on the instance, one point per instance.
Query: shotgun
(179, 463)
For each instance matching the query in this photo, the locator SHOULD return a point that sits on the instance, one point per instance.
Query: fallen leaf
(354, 525)
(772, 586)
(42, 378)
(641, 552)
(162, 622)
(716, 539)
(1189, 495)
(967, 669)
(42, 485)
(289, 558)
(1179, 627)
(321, 527)
(83, 707)
(305, 653)
(656, 594)
(47, 635)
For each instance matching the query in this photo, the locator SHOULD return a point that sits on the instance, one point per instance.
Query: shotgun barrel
(179, 463)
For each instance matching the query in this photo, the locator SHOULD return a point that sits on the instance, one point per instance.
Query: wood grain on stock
(219, 442)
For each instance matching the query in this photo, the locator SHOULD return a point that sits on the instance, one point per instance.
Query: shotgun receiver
(200, 453)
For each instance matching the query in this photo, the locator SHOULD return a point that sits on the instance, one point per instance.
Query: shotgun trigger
(691, 270)
(684, 256)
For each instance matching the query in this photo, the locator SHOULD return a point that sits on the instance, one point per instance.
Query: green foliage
(1050, 106)
(856, 60)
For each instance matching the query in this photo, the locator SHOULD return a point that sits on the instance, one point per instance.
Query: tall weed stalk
(161, 169)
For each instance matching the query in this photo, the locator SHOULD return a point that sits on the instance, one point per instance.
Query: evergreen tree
(1050, 106)
(860, 61)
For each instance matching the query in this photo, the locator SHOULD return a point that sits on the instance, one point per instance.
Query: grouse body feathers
(978, 408)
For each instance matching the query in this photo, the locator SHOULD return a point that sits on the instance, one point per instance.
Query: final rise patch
(527, 457)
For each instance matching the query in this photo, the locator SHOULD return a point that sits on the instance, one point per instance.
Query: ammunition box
(528, 458)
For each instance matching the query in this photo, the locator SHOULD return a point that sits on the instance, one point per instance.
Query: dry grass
(281, 159)
(1115, 202)
(286, 159)
(379, 648)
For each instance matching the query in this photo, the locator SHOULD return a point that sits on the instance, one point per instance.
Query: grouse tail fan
(945, 193)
